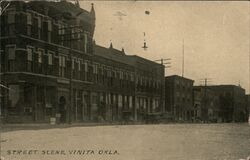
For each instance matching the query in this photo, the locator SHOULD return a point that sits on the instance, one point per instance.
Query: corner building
(51, 68)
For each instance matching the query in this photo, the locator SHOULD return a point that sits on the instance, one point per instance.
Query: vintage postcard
(124, 80)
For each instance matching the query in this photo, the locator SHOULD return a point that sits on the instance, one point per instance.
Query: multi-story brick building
(206, 104)
(231, 102)
(52, 68)
(179, 99)
(247, 99)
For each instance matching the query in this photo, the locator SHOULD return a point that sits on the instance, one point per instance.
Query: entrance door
(62, 109)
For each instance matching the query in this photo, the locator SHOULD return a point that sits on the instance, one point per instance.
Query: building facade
(52, 68)
(231, 102)
(206, 104)
(179, 97)
(247, 99)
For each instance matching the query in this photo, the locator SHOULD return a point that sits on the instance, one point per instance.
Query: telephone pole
(205, 99)
(164, 62)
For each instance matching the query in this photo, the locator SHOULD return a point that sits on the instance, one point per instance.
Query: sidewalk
(38, 126)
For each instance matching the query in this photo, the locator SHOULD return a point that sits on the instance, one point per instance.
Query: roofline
(172, 76)
(145, 59)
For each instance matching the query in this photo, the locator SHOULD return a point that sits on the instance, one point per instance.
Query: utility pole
(205, 99)
(163, 62)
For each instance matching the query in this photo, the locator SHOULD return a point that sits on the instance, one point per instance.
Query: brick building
(231, 102)
(179, 97)
(206, 104)
(247, 99)
(52, 68)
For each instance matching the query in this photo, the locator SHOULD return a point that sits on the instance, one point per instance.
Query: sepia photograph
(124, 80)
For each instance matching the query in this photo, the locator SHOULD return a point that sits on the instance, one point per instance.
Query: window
(11, 17)
(49, 26)
(79, 64)
(120, 101)
(86, 66)
(29, 58)
(11, 52)
(50, 58)
(29, 24)
(39, 22)
(73, 63)
(62, 66)
(40, 55)
(29, 19)
(36, 31)
(14, 96)
(130, 102)
(85, 42)
(29, 54)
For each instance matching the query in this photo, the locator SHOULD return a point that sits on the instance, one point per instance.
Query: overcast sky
(216, 35)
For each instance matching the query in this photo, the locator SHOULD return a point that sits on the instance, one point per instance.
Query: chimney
(111, 46)
(77, 3)
(92, 11)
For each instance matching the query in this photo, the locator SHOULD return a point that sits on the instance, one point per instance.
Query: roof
(179, 77)
(113, 54)
(141, 59)
(57, 8)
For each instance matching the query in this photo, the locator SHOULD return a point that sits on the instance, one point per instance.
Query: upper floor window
(49, 25)
(62, 65)
(73, 63)
(11, 17)
(29, 58)
(79, 64)
(50, 58)
(11, 52)
(86, 66)
(40, 55)
(29, 23)
(39, 22)
(29, 19)
(85, 42)
(29, 53)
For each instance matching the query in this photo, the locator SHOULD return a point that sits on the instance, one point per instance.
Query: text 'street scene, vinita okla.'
(124, 80)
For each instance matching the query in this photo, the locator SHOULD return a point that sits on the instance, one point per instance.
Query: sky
(215, 36)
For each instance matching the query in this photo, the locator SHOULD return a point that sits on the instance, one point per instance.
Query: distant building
(178, 93)
(247, 98)
(206, 104)
(232, 102)
(53, 69)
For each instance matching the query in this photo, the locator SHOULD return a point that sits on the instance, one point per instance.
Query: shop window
(14, 96)
(130, 102)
